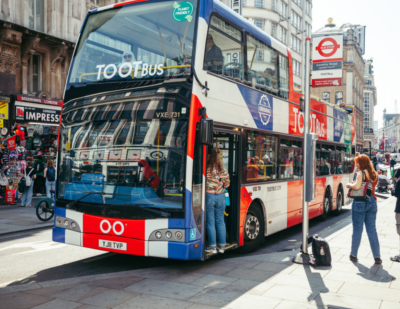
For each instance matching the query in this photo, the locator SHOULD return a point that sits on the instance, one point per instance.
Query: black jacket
(214, 54)
(396, 193)
(392, 163)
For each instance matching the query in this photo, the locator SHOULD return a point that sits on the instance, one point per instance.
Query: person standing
(217, 182)
(392, 163)
(376, 164)
(395, 190)
(364, 211)
(26, 198)
(38, 165)
(50, 176)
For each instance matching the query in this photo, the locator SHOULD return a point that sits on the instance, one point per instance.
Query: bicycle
(45, 207)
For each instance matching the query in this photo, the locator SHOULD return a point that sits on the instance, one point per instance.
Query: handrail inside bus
(165, 68)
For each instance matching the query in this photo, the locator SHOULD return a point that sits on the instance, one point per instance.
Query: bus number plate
(108, 244)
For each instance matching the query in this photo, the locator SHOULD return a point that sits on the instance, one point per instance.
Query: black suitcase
(321, 251)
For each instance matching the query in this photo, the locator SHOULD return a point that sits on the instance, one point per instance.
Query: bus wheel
(326, 207)
(253, 229)
(339, 203)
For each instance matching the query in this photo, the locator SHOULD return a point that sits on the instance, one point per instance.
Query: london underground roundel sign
(327, 47)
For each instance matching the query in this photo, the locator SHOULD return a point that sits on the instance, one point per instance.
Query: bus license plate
(112, 245)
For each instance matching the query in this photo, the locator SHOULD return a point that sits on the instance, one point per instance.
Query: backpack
(321, 251)
(39, 166)
(24, 182)
(28, 180)
(51, 174)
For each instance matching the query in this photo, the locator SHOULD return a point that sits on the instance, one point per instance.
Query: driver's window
(224, 50)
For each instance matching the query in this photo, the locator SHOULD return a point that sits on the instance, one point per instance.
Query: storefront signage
(3, 110)
(125, 69)
(327, 56)
(38, 100)
(1, 123)
(35, 114)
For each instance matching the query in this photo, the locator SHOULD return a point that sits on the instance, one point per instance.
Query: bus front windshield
(143, 41)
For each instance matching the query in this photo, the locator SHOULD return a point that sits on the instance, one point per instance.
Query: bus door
(227, 142)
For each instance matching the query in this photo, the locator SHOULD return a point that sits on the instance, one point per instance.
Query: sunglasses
(127, 56)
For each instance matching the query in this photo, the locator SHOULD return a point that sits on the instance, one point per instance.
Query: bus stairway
(227, 247)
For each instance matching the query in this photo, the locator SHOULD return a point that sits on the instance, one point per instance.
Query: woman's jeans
(26, 198)
(215, 208)
(50, 185)
(365, 212)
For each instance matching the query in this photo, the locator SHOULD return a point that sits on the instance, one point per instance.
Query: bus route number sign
(183, 11)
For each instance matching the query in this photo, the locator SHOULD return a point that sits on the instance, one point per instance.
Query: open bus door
(227, 141)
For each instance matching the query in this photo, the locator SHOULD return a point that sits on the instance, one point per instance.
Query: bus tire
(339, 203)
(326, 207)
(253, 229)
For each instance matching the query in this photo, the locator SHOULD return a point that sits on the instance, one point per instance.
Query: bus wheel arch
(264, 211)
(254, 227)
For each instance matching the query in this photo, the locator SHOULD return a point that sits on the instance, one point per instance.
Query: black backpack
(22, 185)
(321, 251)
(39, 166)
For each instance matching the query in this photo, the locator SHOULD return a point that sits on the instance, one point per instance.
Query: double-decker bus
(131, 170)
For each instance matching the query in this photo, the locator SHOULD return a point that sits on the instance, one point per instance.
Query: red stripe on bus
(127, 2)
(59, 125)
(194, 117)
(245, 201)
(291, 90)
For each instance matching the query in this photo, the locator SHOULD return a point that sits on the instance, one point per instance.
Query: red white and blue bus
(131, 170)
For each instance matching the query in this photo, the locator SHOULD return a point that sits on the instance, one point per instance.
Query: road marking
(36, 246)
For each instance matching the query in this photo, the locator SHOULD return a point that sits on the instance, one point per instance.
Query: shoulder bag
(365, 191)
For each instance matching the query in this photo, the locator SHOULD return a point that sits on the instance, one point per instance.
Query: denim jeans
(26, 198)
(365, 212)
(50, 185)
(215, 208)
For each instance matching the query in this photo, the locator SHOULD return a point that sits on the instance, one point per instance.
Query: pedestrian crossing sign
(192, 234)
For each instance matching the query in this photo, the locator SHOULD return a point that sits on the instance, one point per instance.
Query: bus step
(227, 248)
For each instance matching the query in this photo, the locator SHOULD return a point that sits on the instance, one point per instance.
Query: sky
(382, 41)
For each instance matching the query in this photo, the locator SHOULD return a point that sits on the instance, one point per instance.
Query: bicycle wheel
(43, 211)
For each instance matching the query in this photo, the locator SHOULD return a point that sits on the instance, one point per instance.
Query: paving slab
(297, 294)
(389, 305)
(59, 304)
(286, 304)
(109, 298)
(250, 274)
(164, 289)
(79, 292)
(372, 292)
(22, 300)
(215, 297)
(154, 302)
(253, 301)
(211, 281)
(345, 301)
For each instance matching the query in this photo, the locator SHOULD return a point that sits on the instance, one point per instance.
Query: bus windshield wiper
(71, 206)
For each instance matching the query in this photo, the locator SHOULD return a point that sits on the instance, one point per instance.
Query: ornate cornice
(10, 40)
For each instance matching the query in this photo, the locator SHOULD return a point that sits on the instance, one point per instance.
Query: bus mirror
(206, 131)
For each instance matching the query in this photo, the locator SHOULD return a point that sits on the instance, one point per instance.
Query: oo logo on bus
(264, 110)
(108, 227)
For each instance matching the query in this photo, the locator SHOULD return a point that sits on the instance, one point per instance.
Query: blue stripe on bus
(60, 212)
(176, 223)
(185, 251)
(83, 24)
(94, 11)
(59, 234)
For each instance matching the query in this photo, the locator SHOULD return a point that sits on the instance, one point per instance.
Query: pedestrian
(364, 212)
(392, 163)
(26, 198)
(395, 190)
(39, 169)
(50, 176)
(217, 182)
(375, 161)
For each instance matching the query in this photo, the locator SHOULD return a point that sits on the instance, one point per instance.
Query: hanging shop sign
(11, 143)
(36, 114)
(3, 109)
(38, 100)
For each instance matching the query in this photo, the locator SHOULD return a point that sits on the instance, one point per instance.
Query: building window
(296, 68)
(282, 35)
(338, 97)
(34, 74)
(259, 23)
(283, 9)
(308, 29)
(273, 5)
(273, 29)
(243, 3)
(326, 96)
(97, 2)
(259, 3)
(308, 7)
(295, 20)
(295, 43)
(36, 15)
(298, 2)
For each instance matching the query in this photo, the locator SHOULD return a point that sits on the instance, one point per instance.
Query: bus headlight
(59, 221)
(178, 235)
(73, 225)
(168, 234)
(158, 235)
(66, 223)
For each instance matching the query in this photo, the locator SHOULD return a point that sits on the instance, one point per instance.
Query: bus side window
(283, 77)
(224, 50)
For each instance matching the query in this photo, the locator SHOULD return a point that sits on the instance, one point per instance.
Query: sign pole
(303, 257)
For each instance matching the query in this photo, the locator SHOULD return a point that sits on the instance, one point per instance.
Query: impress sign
(327, 58)
(27, 113)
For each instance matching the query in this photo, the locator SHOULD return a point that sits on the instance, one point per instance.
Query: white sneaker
(212, 250)
(22, 205)
(221, 249)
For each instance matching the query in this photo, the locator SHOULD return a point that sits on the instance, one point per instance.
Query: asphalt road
(32, 256)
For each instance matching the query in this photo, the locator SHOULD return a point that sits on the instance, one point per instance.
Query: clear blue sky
(382, 40)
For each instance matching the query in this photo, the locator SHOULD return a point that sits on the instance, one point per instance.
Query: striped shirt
(217, 181)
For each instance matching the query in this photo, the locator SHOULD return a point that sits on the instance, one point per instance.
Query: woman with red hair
(364, 212)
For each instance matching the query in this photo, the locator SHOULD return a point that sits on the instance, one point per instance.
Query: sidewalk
(251, 281)
(14, 218)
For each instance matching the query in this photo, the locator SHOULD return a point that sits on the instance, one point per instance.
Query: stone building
(352, 90)
(370, 101)
(289, 21)
(391, 130)
(37, 39)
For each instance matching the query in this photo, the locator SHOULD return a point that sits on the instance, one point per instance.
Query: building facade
(37, 39)
(351, 92)
(289, 21)
(370, 101)
(391, 131)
